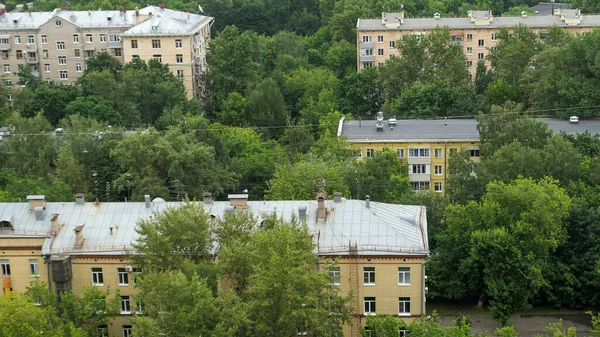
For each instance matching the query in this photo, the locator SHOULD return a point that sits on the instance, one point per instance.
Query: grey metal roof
(384, 229)
(547, 8)
(420, 130)
(168, 22)
(539, 21)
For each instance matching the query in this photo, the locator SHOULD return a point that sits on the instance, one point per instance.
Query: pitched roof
(381, 229)
(421, 130)
(164, 21)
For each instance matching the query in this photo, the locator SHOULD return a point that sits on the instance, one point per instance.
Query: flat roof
(421, 130)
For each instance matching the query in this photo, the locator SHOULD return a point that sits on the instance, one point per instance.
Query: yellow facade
(25, 263)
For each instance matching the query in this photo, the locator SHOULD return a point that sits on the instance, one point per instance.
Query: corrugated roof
(419, 130)
(387, 229)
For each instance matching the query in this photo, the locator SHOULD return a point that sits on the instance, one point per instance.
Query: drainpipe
(48, 272)
(423, 286)
(445, 167)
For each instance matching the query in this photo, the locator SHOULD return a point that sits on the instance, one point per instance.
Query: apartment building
(58, 44)
(476, 33)
(425, 145)
(380, 249)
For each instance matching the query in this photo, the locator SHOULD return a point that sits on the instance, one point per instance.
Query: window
(5, 55)
(44, 39)
(19, 54)
(125, 305)
(139, 308)
(135, 56)
(127, 331)
(10, 97)
(75, 38)
(45, 53)
(4, 40)
(400, 153)
(494, 36)
(380, 38)
(403, 332)
(7, 68)
(380, 64)
(438, 153)
(60, 45)
(77, 52)
(178, 43)
(367, 38)
(5, 267)
(369, 275)
(89, 53)
(179, 58)
(102, 330)
(155, 44)
(180, 74)
(403, 275)
(97, 278)
(48, 80)
(404, 306)
(475, 153)
(367, 65)
(392, 44)
(134, 44)
(469, 50)
(78, 67)
(17, 39)
(58, 23)
(469, 64)
(481, 43)
(47, 67)
(358, 154)
(103, 38)
(34, 268)
(30, 39)
(437, 187)
(420, 185)
(437, 170)
(334, 273)
(8, 82)
(62, 60)
(370, 153)
(366, 52)
(114, 38)
(157, 57)
(418, 169)
(469, 37)
(370, 307)
(368, 331)
(123, 277)
(480, 56)
(89, 38)
(380, 52)
(415, 153)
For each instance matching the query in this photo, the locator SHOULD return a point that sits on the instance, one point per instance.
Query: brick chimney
(321, 210)
(79, 240)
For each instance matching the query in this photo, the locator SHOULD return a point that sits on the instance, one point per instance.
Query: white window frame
(336, 276)
(125, 305)
(134, 44)
(400, 153)
(403, 276)
(44, 39)
(77, 52)
(127, 330)
(60, 45)
(180, 74)
(34, 268)
(97, 277)
(370, 153)
(379, 38)
(103, 38)
(17, 39)
(122, 277)
(178, 44)
(438, 153)
(469, 64)
(419, 169)
(393, 44)
(367, 38)
(157, 57)
(89, 38)
(481, 43)
(8, 82)
(7, 68)
(5, 265)
(420, 185)
(63, 75)
(62, 60)
(31, 39)
(469, 37)
(437, 170)
(419, 153)
(480, 56)
(78, 67)
(370, 305)
(402, 306)
(139, 308)
(437, 187)
(47, 67)
(369, 276)
(156, 44)
(179, 58)
(75, 38)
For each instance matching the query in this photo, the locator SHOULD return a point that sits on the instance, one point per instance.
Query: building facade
(380, 250)
(425, 145)
(476, 33)
(57, 45)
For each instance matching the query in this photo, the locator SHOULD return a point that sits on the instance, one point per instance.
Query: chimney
(79, 237)
(524, 14)
(79, 198)
(368, 201)
(54, 224)
(321, 211)
(337, 197)
(238, 200)
(147, 200)
(36, 201)
(207, 198)
(40, 211)
(302, 213)
(436, 16)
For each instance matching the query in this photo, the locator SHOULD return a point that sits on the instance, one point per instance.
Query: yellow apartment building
(380, 249)
(57, 45)
(476, 33)
(425, 145)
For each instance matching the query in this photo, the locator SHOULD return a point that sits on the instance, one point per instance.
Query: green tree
(103, 61)
(267, 109)
(383, 178)
(96, 107)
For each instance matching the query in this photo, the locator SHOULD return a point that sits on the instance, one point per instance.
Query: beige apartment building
(379, 249)
(476, 33)
(58, 44)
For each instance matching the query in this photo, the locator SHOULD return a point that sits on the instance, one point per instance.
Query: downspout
(423, 285)
(48, 272)
(445, 167)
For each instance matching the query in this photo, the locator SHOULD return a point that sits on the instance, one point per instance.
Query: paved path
(530, 325)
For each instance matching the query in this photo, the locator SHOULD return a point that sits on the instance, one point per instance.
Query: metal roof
(383, 229)
(419, 130)
(538, 21)
(168, 22)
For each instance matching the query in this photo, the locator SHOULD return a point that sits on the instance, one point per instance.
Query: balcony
(33, 60)
(30, 47)
(457, 43)
(5, 46)
(115, 44)
(35, 73)
(419, 177)
(367, 45)
(367, 58)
